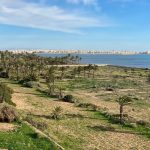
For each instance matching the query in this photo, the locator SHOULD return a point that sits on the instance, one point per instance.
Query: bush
(68, 98)
(109, 89)
(57, 113)
(8, 113)
(88, 106)
(142, 123)
(4, 74)
(27, 79)
(38, 124)
(31, 84)
(5, 94)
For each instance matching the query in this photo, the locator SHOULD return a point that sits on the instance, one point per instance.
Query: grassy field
(24, 138)
(83, 127)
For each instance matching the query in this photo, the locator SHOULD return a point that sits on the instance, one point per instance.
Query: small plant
(31, 84)
(109, 88)
(142, 123)
(4, 74)
(88, 106)
(8, 113)
(38, 124)
(57, 113)
(68, 98)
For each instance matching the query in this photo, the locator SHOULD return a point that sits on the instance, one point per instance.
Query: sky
(75, 24)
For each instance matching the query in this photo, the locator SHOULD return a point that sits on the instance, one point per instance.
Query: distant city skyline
(62, 51)
(75, 24)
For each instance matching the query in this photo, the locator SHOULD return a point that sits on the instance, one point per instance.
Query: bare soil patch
(4, 127)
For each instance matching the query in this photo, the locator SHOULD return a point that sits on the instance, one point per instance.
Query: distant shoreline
(99, 65)
(82, 65)
(133, 61)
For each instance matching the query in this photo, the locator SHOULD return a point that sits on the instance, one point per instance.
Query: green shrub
(68, 98)
(4, 74)
(5, 94)
(88, 106)
(28, 78)
(142, 123)
(31, 84)
(57, 113)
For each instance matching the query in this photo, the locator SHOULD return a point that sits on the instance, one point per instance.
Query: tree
(74, 72)
(50, 80)
(79, 69)
(62, 69)
(148, 79)
(94, 68)
(123, 101)
(5, 94)
(89, 68)
(60, 91)
(84, 70)
(78, 59)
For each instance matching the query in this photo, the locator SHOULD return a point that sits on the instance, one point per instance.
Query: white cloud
(21, 13)
(86, 2)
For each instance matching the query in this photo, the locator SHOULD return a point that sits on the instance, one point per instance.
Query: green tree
(94, 68)
(123, 101)
(50, 80)
(89, 68)
(60, 91)
(148, 79)
(5, 94)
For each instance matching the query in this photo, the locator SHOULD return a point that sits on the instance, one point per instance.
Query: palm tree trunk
(121, 114)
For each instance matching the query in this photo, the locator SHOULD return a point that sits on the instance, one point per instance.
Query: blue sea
(139, 60)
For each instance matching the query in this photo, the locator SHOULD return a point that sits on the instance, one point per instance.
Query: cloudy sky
(75, 24)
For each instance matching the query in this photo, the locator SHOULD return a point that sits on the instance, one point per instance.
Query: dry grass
(5, 127)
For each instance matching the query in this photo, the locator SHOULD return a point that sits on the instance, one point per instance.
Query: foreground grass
(24, 138)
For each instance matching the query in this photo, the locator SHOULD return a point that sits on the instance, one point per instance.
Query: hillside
(86, 123)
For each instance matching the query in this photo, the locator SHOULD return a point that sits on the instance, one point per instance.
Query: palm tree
(74, 72)
(123, 101)
(148, 79)
(60, 89)
(89, 67)
(50, 80)
(79, 69)
(95, 67)
(62, 71)
(84, 70)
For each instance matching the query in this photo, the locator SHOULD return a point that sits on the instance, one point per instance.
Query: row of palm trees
(19, 66)
(31, 67)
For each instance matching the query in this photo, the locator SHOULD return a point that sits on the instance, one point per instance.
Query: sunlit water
(139, 61)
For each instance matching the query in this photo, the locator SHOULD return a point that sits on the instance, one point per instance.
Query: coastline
(82, 65)
(101, 65)
(133, 61)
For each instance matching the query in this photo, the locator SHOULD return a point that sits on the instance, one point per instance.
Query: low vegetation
(80, 107)
(24, 138)
(8, 113)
